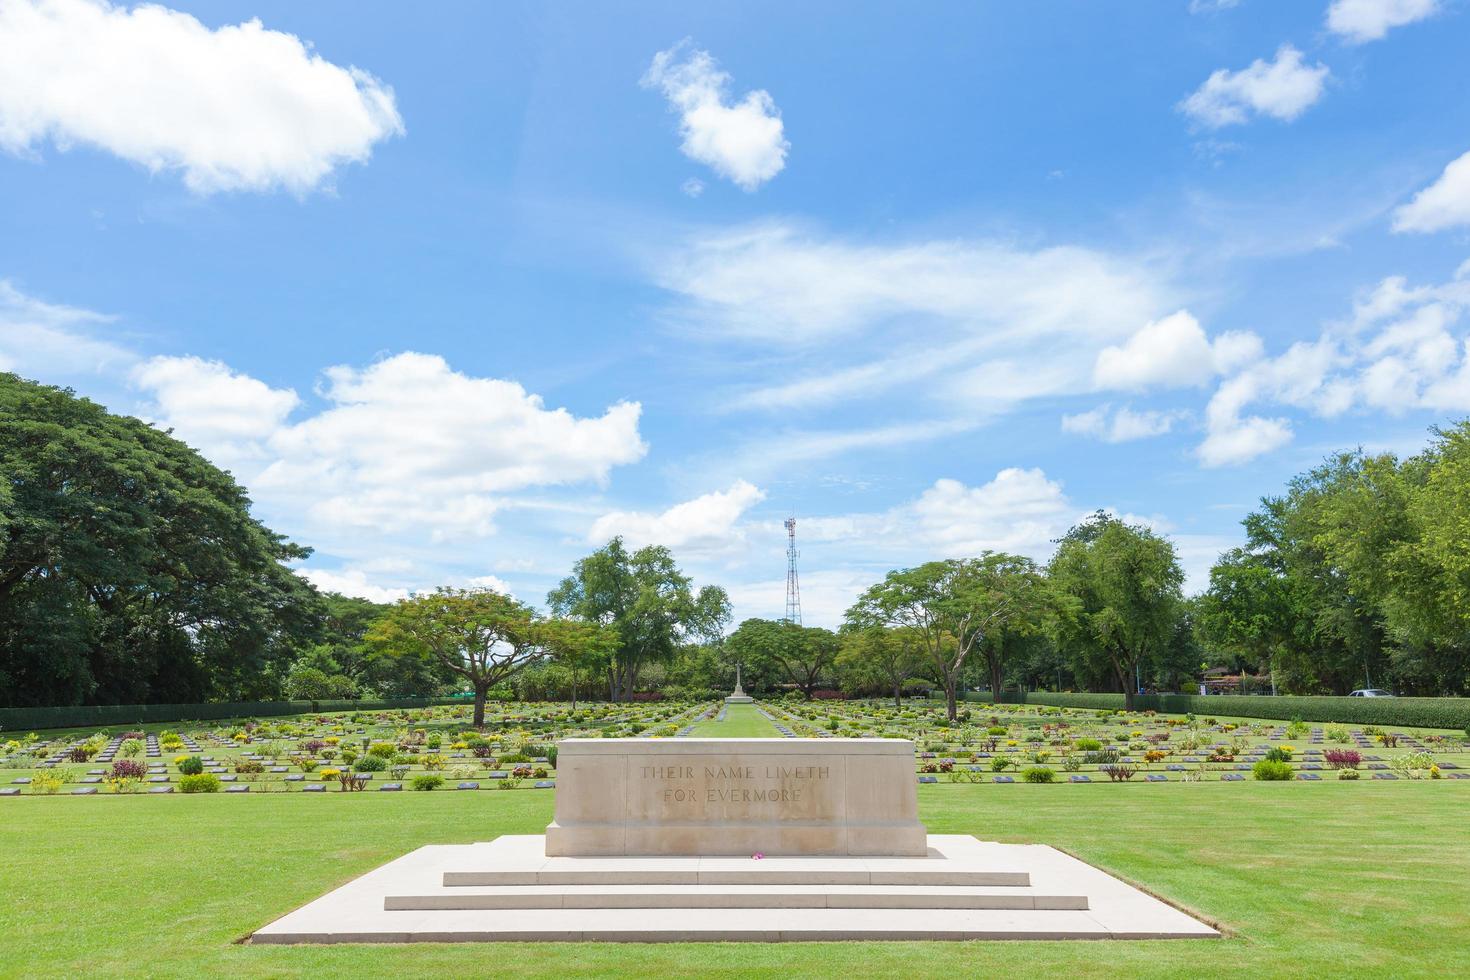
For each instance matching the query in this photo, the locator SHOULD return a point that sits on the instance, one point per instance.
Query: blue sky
(459, 294)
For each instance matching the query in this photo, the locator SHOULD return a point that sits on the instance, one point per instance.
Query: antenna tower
(793, 586)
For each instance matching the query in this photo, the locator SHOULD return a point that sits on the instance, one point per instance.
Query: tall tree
(131, 569)
(579, 646)
(802, 655)
(950, 605)
(1121, 587)
(881, 656)
(644, 597)
(479, 635)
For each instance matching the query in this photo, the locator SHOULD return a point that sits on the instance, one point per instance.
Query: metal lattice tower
(793, 586)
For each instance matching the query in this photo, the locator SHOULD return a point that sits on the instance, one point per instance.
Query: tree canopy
(1120, 591)
(131, 569)
(478, 634)
(647, 600)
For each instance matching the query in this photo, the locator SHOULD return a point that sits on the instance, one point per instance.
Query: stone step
(720, 925)
(764, 896)
(360, 910)
(746, 876)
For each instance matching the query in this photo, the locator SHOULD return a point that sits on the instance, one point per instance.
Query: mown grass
(740, 721)
(1312, 879)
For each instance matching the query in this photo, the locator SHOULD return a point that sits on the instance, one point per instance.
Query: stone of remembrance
(736, 796)
(761, 840)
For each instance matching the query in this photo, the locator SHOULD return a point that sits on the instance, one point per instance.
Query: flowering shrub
(1347, 774)
(427, 781)
(1342, 758)
(312, 746)
(81, 753)
(1087, 745)
(1038, 774)
(48, 781)
(371, 763)
(130, 747)
(128, 769)
(1279, 754)
(330, 774)
(200, 782)
(1154, 755)
(249, 766)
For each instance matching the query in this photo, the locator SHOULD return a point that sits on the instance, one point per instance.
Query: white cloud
(208, 405)
(776, 282)
(404, 444)
(351, 582)
(743, 141)
(237, 108)
(1122, 425)
(1404, 348)
(1232, 438)
(492, 582)
(1172, 352)
(1369, 20)
(1443, 204)
(49, 342)
(705, 524)
(693, 187)
(1211, 6)
(1020, 510)
(1283, 89)
(970, 324)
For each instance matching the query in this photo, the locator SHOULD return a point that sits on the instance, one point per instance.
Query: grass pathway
(741, 721)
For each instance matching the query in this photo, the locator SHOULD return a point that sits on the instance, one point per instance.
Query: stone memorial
(738, 696)
(733, 840)
(736, 796)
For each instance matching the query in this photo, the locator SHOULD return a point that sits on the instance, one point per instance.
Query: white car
(1370, 692)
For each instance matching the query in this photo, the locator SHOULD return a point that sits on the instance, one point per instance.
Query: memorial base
(509, 890)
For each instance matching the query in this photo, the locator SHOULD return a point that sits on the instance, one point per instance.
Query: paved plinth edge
(1041, 894)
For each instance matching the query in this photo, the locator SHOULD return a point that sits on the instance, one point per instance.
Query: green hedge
(103, 715)
(1404, 712)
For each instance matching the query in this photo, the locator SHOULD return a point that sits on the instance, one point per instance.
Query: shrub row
(102, 715)
(1402, 712)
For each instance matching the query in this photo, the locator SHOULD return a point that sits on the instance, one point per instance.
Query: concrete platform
(1043, 894)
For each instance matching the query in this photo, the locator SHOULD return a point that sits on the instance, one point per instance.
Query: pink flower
(757, 856)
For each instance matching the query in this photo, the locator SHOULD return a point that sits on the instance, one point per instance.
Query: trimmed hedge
(1404, 712)
(102, 715)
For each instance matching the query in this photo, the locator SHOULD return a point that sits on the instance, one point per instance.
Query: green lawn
(741, 721)
(1314, 879)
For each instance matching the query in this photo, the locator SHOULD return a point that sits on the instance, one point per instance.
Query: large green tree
(802, 655)
(579, 647)
(951, 606)
(647, 600)
(480, 635)
(879, 657)
(1121, 598)
(131, 569)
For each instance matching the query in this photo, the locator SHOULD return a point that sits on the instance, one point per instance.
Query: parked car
(1370, 692)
